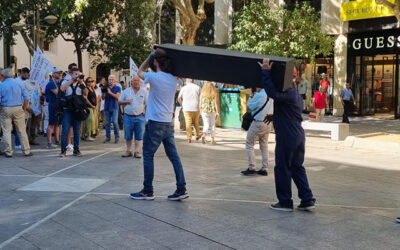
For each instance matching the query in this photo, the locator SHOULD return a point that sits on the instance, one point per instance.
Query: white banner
(41, 68)
(133, 69)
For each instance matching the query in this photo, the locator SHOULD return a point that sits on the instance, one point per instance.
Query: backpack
(78, 106)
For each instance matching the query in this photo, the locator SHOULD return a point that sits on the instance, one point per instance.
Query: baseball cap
(56, 70)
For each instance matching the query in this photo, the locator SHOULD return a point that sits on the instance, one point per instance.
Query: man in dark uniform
(290, 144)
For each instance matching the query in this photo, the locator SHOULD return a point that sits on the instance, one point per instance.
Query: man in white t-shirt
(160, 128)
(135, 100)
(71, 81)
(189, 99)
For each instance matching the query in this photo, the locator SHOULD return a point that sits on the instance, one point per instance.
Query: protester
(100, 86)
(189, 99)
(160, 128)
(73, 83)
(209, 110)
(290, 144)
(89, 127)
(261, 106)
(135, 100)
(320, 103)
(347, 99)
(110, 96)
(14, 100)
(52, 91)
(33, 112)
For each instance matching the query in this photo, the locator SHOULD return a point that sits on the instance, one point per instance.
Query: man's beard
(24, 78)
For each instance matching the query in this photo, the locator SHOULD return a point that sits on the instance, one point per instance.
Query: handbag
(248, 118)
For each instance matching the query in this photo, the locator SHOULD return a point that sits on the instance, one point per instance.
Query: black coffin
(227, 66)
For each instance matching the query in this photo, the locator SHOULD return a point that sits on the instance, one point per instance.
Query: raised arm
(269, 85)
(143, 67)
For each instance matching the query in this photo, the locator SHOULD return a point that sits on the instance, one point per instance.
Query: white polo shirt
(138, 105)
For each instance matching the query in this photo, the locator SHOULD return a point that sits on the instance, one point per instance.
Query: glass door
(367, 104)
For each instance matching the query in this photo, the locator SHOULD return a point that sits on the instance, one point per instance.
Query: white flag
(41, 67)
(132, 68)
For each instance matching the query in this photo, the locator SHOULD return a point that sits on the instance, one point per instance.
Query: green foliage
(133, 39)
(281, 32)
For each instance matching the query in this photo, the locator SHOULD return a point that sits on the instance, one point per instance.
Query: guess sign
(382, 42)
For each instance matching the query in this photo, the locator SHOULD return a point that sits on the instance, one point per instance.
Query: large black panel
(227, 66)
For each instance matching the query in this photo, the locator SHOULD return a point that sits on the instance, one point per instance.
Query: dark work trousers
(348, 106)
(289, 158)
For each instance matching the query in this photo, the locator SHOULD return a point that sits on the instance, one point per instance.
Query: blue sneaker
(178, 195)
(398, 219)
(143, 195)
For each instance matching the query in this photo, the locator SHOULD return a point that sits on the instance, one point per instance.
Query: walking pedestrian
(135, 100)
(188, 98)
(14, 100)
(160, 128)
(209, 111)
(290, 144)
(320, 103)
(110, 96)
(347, 99)
(261, 106)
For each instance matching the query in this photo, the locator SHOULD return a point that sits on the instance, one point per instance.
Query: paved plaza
(47, 202)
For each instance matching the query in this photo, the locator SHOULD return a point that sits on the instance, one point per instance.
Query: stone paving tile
(19, 210)
(12, 183)
(21, 243)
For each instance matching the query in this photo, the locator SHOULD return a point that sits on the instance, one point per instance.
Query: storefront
(373, 71)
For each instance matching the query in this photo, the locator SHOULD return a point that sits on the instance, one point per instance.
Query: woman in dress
(89, 127)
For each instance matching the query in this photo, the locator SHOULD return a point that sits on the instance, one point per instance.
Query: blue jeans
(155, 133)
(67, 122)
(134, 126)
(112, 117)
(16, 137)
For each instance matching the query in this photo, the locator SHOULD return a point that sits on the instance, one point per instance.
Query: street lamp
(36, 26)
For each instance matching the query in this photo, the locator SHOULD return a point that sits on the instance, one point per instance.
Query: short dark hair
(163, 60)
(71, 66)
(25, 70)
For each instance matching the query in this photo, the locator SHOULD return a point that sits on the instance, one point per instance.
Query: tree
(83, 22)
(25, 13)
(134, 19)
(280, 32)
(189, 19)
(395, 7)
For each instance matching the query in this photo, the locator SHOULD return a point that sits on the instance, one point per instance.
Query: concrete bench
(339, 131)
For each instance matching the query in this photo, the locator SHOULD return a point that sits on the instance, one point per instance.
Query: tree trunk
(79, 55)
(189, 34)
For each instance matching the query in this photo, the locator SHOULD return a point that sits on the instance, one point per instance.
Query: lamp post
(19, 27)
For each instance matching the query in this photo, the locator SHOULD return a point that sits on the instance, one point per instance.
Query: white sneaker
(70, 147)
(18, 147)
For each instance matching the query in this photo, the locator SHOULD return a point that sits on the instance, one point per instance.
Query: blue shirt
(12, 92)
(160, 103)
(110, 102)
(346, 94)
(257, 102)
(51, 98)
